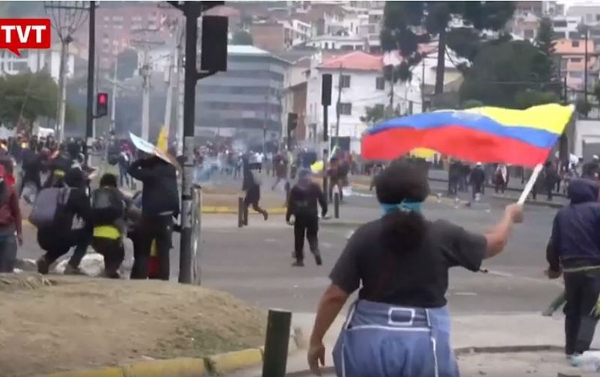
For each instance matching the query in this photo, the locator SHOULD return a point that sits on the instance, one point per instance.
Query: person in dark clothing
(399, 264)
(454, 174)
(109, 233)
(251, 188)
(574, 251)
(591, 169)
(10, 223)
(160, 203)
(477, 179)
(303, 200)
(57, 239)
(32, 167)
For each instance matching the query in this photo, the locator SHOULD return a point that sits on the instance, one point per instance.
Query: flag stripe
(455, 140)
(477, 122)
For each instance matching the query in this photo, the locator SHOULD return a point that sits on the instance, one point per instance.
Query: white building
(362, 86)
(36, 60)
(588, 14)
(337, 42)
(566, 27)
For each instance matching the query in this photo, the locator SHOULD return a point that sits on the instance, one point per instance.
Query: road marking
(464, 294)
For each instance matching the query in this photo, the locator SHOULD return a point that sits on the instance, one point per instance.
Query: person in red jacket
(11, 231)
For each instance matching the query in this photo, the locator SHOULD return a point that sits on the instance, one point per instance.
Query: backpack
(107, 206)
(46, 206)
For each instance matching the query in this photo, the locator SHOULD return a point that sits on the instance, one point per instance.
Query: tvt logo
(25, 33)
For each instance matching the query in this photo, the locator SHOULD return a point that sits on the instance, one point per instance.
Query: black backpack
(107, 206)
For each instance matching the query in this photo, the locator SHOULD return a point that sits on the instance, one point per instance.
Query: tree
(583, 107)
(544, 63)
(531, 97)
(499, 72)
(373, 114)
(127, 62)
(27, 96)
(435, 16)
(241, 37)
(471, 103)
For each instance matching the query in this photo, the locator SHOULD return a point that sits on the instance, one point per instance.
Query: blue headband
(404, 206)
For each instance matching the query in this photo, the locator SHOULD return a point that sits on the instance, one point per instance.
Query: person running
(400, 262)
(251, 189)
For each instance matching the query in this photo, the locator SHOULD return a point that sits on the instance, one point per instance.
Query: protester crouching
(400, 263)
(56, 233)
(160, 203)
(11, 231)
(574, 251)
(304, 198)
(109, 218)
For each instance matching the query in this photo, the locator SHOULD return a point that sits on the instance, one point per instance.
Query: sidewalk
(477, 334)
(557, 202)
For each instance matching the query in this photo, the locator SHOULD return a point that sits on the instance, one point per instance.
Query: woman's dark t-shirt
(417, 278)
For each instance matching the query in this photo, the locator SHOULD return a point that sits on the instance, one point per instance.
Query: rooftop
(355, 60)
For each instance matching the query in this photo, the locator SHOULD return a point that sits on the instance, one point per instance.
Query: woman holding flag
(400, 325)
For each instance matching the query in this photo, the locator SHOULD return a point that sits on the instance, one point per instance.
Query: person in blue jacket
(574, 251)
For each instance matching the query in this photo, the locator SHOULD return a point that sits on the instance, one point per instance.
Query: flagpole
(529, 186)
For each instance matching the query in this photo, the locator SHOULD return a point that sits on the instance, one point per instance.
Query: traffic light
(101, 105)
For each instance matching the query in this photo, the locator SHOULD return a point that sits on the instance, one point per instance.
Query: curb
(212, 210)
(458, 352)
(530, 202)
(215, 365)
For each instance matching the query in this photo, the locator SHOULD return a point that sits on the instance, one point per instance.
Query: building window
(575, 60)
(345, 81)
(345, 108)
(380, 83)
(576, 74)
(575, 43)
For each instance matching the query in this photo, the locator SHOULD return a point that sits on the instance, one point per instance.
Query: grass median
(68, 323)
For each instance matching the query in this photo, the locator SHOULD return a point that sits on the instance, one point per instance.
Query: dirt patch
(70, 323)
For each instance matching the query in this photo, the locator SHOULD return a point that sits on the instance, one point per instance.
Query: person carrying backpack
(302, 203)
(109, 220)
(53, 213)
(10, 222)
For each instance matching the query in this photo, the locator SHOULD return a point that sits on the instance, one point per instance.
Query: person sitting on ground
(400, 262)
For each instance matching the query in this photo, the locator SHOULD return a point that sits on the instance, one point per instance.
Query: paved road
(254, 263)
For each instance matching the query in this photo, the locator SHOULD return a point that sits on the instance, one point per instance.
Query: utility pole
(180, 94)
(338, 108)
(585, 68)
(423, 84)
(113, 104)
(170, 88)
(66, 17)
(145, 72)
(95, 89)
(89, 114)
(214, 59)
(265, 122)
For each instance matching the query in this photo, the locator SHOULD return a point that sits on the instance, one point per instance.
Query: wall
(268, 37)
(588, 131)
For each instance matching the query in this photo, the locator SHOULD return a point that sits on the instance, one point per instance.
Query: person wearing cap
(303, 200)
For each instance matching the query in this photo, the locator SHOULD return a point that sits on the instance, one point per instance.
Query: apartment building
(572, 62)
(566, 27)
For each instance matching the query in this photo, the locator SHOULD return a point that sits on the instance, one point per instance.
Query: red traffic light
(102, 98)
